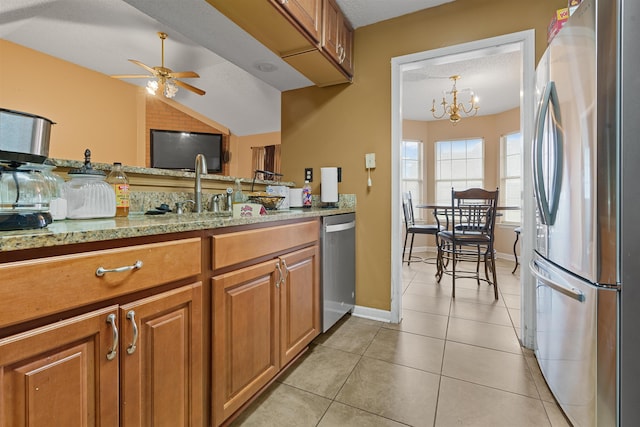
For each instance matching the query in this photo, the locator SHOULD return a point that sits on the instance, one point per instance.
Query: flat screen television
(178, 150)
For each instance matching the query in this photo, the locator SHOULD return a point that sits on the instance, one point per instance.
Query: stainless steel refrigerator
(586, 167)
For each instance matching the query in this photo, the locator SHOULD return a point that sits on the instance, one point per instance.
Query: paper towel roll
(329, 185)
(295, 197)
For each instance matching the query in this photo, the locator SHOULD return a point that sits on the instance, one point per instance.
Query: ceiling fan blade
(132, 76)
(146, 67)
(184, 74)
(189, 87)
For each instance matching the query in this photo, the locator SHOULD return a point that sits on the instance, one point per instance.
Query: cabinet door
(337, 36)
(299, 302)
(245, 335)
(59, 375)
(306, 13)
(161, 359)
(346, 41)
(330, 28)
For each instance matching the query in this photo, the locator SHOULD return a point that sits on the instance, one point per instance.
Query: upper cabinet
(312, 36)
(337, 36)
(305, 13)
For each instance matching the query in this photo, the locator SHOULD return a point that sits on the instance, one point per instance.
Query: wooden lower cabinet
(59, 375)
(84, 371)
(161, 360)
(299, 302)
(263, 316)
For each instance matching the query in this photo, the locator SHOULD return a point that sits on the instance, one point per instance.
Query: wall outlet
(308, 174)
(370, 160)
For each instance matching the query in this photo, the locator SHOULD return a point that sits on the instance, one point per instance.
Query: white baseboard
(372, 313)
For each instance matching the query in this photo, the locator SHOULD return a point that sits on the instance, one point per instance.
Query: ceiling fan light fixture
(170, 89)
(152, 87)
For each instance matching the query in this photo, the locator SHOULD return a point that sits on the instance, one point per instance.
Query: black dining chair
(411, 228)
(471, 236)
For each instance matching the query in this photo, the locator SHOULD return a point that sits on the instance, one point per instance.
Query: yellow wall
(338, 125)
(490, 129)
(90, 109)
(241, 148)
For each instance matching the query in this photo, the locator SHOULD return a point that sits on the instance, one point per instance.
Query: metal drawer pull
(101, 271)
(131, 315)
(111, 354)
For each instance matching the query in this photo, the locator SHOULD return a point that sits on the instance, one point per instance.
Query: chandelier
(453, 110)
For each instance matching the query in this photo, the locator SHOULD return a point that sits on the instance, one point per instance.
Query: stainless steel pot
(24, 137)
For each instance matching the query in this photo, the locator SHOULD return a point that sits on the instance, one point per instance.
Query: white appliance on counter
(586, 155)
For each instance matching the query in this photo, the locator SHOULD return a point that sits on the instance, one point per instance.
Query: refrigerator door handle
(563, 288)
(548, 208)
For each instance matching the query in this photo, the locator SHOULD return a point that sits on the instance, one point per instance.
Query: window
(411, 172)
(511, 175)
(459, 164)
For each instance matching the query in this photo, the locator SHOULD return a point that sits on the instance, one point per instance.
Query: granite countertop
(135, 225)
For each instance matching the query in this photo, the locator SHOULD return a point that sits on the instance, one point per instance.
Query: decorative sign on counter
(245, 210)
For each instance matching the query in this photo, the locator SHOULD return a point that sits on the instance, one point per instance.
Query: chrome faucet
(201, 169)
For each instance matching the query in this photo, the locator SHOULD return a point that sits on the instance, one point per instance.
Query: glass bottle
(120, 183)
(306, 195)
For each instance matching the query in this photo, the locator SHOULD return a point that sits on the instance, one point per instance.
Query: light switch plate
(370, 160)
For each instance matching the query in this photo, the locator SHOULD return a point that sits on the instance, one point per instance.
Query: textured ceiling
(365, 12)
(102, 34)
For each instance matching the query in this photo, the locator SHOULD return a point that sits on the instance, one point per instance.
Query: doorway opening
(522, 42)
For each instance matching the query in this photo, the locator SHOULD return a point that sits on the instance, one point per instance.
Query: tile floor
(449, 363)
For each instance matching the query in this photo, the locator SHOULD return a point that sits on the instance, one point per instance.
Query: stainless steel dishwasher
(338, 243)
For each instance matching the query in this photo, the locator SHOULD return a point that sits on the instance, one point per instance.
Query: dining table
(443, 208)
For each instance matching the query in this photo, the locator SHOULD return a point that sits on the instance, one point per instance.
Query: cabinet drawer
(234, 248)
(40, 287)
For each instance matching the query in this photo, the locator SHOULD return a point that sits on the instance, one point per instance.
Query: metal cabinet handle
(111, 354)
(280, 275)
(340, 52)
(131, 315)
(101, 271)
(286, 269)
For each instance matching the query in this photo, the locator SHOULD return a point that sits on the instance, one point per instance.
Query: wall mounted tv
(178, 150)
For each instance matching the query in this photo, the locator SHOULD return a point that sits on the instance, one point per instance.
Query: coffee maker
(24, 191)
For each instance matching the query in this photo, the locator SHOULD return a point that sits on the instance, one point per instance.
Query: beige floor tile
(511, 301)
(283, 405)
(403, 348)
(417, 322)
(555, 414)
(433, 290)
(493, 368)
(426, 304)
(340, 415)
(482, 294)
(514, 314)
(322, 370)
(350, 334)
(488, 335)
(496, 313)
(396, 392)
(465, 404)
(538, 379)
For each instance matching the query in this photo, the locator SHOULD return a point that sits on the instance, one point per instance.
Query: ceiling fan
(166, 79)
